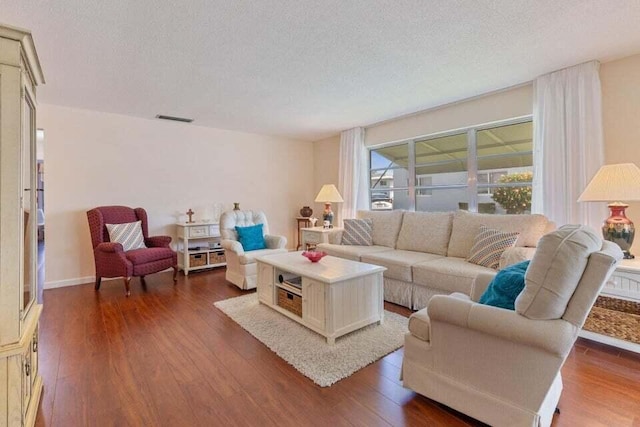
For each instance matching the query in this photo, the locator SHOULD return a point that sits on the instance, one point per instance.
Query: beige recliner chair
(241, 265)
(499, 366)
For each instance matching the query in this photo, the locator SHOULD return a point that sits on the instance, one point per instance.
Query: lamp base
(327, 216)
(619, 229)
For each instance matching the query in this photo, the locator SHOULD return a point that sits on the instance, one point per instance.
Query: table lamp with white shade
(328, 194)
(615, 184)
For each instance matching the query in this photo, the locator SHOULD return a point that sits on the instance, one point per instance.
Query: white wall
(620, 114)
(506, 104)
(94, 159)
(326, 163)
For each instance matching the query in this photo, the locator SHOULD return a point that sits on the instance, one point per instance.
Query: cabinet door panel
(313, 303)
(34, 357)
(265, 283)
(29, 216)
(12, 235)
(26, 378)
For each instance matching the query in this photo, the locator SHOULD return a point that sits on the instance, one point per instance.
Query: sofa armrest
(232, 246)
(275, 242)
(480, 284)
(335, 236)
(157, 241)
(554, 336)
(515, 255)
(110, 247)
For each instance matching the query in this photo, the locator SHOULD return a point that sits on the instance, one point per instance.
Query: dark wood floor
(167, 357)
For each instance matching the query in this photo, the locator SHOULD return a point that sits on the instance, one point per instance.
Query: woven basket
(290, 302)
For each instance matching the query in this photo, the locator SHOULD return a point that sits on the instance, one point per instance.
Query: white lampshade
(329, 193)
(620, 182)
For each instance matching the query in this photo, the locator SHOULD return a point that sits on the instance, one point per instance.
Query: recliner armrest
(232, 246)
(554, 336)
(275, 242)
(335, 237)
(157, 241)
(110, 247)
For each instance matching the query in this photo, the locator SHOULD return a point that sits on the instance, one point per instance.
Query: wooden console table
(303, 222)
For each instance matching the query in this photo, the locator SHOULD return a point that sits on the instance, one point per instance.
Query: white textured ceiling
(307, 69)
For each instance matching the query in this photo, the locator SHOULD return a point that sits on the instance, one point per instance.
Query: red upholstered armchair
(110, 258)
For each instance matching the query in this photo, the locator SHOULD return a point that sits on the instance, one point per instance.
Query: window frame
(472, 162)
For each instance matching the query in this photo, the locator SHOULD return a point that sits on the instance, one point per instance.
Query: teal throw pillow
(251, 237)
(506, 286)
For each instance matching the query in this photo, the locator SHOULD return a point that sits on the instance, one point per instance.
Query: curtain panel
(568, 144)
(352, 178)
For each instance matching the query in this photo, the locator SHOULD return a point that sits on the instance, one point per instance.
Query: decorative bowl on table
(314, 256)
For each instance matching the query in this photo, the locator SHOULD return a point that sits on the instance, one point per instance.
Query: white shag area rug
(308, 351)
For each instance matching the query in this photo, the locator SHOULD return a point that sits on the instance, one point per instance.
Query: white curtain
(352, 178)
(568, 144)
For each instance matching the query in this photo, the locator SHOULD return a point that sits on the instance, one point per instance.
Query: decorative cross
(190, 213)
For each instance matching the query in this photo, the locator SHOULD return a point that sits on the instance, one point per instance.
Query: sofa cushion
(465, 224)
(350, 252)
(398, 262)
(505, 287)
(489, 246)
(425, 232)
(144, 255)
(250, 257)
(555, 271)
(386, 226)
(448, 274)
(419, 324)
(357, 232)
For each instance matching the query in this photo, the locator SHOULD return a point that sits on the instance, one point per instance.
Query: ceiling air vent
(175, 119)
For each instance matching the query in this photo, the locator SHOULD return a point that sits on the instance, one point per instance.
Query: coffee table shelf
(338, 296)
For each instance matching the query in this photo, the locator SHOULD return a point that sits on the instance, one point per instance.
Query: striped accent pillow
(358, 232)
(129, 235)
(489, 246)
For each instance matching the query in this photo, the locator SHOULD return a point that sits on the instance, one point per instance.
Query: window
(484, 169)
(421, 183)
(389, 171)
(488, 178)
(441, 172)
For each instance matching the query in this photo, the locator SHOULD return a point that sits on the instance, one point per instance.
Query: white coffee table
(336, 296)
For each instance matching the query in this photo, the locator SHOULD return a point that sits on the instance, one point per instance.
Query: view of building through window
(482, 169)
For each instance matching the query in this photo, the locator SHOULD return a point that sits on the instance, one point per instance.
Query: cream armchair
(241, 266)
(499, 366)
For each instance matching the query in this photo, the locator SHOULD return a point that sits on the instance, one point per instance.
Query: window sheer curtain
(352, 177)
(568, 144)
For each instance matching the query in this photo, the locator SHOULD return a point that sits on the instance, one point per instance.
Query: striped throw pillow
(358, 232)
(489, 246)
(129, 235)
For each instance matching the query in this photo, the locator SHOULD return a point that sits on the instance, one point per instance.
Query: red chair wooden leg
(175, 274)
(127, 281)
(98, 282)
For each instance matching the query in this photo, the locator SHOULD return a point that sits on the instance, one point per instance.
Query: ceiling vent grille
(173, 118)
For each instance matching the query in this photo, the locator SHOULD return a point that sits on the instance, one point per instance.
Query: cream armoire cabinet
(20, 382)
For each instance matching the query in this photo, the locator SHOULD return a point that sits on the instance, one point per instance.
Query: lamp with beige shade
(615, 184)
(328, 194)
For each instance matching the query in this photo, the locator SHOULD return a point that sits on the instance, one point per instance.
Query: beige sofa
(425, 252)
